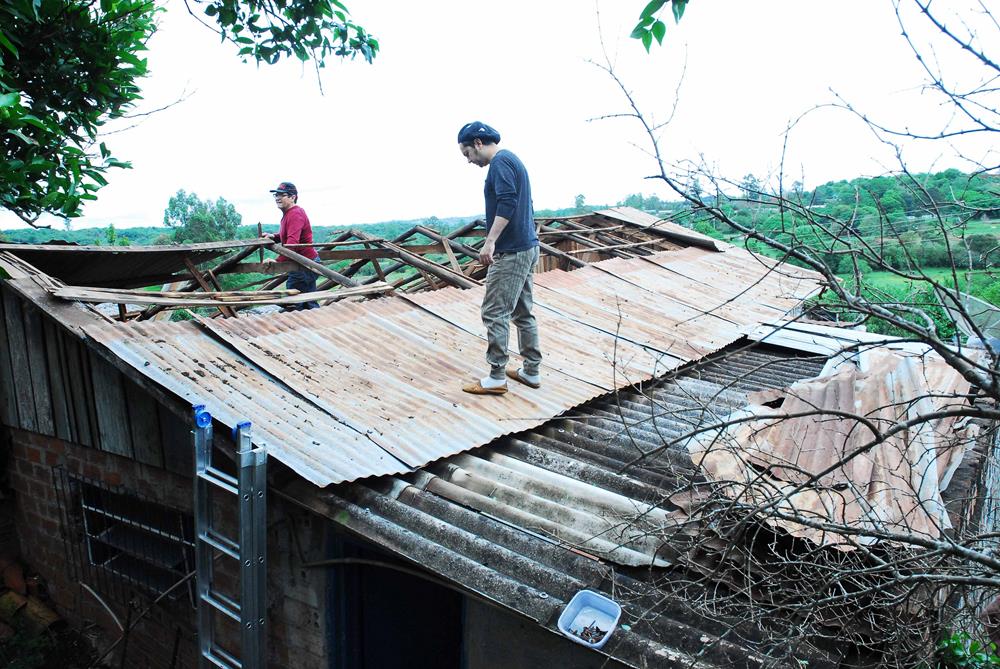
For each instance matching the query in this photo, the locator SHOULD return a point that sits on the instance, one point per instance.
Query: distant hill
(161, 234)
(144, 236)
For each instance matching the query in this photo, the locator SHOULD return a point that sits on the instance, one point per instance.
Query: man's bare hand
(486, 253)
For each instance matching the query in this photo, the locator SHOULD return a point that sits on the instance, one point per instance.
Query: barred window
(122, 542)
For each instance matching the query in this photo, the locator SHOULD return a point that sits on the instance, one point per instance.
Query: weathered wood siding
(52, 383)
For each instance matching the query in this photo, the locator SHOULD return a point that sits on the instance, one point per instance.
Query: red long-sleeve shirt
(296, 229)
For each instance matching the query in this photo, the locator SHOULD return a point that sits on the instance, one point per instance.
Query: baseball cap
(286, 187)
(477, 130)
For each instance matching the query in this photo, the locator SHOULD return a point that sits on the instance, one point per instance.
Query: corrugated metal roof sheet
(119, 266)
(374, 388)
(661, 225)
(892, 484)
(540, 515)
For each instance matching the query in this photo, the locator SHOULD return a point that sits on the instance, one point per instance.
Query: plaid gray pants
(508, 299)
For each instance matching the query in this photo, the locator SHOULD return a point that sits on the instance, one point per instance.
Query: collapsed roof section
(420, 259)
(371, 388)
(367, 389)
(569, 494)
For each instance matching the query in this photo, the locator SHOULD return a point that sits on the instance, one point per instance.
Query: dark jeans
(304, 282)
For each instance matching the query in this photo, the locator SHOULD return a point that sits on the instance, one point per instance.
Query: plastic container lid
(590, 618)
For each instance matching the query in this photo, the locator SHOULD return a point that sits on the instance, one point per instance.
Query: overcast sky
(379, 142)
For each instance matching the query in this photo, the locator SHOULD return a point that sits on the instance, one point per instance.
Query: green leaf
(651, 9)
(6, 43)
(659, 29)
(647, 40)
(22, 137)
(678, 7)
(35, 121)
(9, 100)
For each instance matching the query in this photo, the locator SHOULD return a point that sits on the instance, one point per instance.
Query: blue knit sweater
(508, 194)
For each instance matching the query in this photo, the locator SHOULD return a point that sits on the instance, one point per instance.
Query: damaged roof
(363, 401)
(119, 266)
(600, 499)
(537, 516)
(374, 388)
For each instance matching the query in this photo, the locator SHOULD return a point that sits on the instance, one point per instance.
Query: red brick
(73, 464)
(42, 473)
(23, 466)
(20, 485)
(33, 455)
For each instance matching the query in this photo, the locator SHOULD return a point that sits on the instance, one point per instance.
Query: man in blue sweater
(510, 253)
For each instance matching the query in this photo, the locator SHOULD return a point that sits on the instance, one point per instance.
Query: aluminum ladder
(249, 491)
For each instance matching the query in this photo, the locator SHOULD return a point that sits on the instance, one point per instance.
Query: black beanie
(477, 130)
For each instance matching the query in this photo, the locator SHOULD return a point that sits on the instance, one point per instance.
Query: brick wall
(295, 594)
(40, 535)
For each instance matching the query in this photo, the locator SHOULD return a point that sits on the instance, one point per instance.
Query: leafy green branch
(651, 27)
(268, 30)
(68, 67)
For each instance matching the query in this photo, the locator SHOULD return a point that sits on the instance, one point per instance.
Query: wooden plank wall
(8, 400)
(53, 384)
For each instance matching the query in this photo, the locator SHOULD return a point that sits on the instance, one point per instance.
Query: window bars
(122, 542)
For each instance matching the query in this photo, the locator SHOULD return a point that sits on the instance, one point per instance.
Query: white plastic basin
(589, 609)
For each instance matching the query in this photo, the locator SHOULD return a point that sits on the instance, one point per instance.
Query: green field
(974, 282)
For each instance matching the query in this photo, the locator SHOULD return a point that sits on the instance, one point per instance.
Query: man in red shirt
(295, 229)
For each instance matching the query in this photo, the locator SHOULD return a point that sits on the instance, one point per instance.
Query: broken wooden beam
(220, 268)
(213, 299)
(226, 311)
(314, 266)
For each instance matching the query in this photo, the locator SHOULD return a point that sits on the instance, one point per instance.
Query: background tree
(67, 67)
(750, 187)
(113, 238)
(195, 220)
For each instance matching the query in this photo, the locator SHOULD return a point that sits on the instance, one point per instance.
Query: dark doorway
(385, 616)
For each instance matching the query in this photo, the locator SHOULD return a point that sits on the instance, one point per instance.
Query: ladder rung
(221, 479)
(221, 543)
(221, 658)
(223, 604)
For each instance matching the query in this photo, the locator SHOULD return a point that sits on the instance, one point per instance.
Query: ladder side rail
(259, 526)
(203, 551)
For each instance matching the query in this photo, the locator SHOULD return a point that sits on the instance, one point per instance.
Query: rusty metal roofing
(891, 485)
(662, 227)
(374, 388)
(539, 515)
(118, 266)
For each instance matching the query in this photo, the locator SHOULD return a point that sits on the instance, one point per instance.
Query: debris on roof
(536, 516)
(814, 460)
(374, 388)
